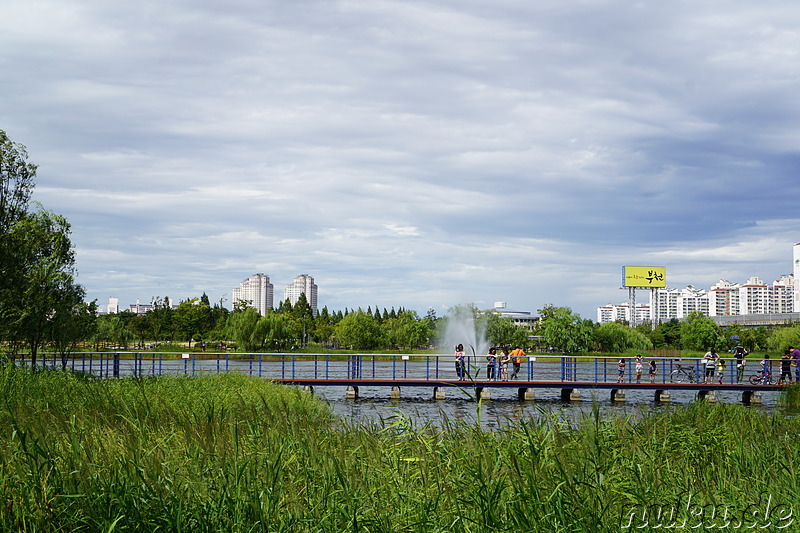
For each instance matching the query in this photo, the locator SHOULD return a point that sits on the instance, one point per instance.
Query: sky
(416, 154)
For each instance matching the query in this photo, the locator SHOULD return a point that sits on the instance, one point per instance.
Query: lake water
(504, 409)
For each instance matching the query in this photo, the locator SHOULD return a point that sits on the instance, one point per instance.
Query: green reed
(235, 453)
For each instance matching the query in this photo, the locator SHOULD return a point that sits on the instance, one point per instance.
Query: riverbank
(237, 453)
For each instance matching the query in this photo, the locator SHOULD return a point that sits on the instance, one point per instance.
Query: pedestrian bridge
(395, 372)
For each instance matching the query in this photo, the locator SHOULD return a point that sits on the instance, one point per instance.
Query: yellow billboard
(644, 276)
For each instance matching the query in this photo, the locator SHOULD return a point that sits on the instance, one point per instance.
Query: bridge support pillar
(438, 393)
(526, 395)
(351, 393)
(662, 396)
(483, 393)
(395, 393)
(570, 395)
(308, 388)
(751, 397)
(708, 395)
(617, 395)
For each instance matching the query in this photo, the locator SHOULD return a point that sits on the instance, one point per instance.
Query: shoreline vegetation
(237, 453)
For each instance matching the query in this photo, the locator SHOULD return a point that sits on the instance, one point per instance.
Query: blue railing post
(116, 364)
(293, 366)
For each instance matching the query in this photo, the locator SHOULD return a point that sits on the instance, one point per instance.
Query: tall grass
(236, 453)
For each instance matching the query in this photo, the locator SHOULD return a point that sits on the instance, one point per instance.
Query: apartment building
(256, 291)
(302, 284)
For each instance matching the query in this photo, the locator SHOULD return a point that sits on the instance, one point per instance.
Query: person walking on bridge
(516, 359)
(711, 363)
(460, 367)
(740, 352)
(491, 364)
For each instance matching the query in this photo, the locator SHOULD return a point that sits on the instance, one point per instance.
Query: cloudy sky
(410, 153)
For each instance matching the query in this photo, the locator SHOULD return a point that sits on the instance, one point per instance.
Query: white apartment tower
(113, 305)
(782, 295)
(302, 284)
(256, 291)
(724, 299)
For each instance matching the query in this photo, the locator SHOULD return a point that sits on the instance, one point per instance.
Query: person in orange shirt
(516, 359)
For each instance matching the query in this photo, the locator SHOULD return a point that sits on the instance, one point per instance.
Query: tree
(16, 182)
(667, 334)
(501, 331)
(699, 332)
(617, 337)
(243, 329)
(160, 319)
(564, 330)
(40, 260)
(279, 330)
(783, 337)
(193, 319)
(112, 329)
(360, 331)
(407, 330)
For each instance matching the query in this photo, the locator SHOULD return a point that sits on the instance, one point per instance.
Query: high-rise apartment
(255, 291)
(302, 284)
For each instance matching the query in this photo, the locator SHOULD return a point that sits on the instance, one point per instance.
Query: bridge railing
(383, 367)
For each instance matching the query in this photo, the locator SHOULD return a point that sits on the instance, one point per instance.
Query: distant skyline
(410, 153)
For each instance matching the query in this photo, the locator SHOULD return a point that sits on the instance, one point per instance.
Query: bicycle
(763, 378)
(682, 374)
